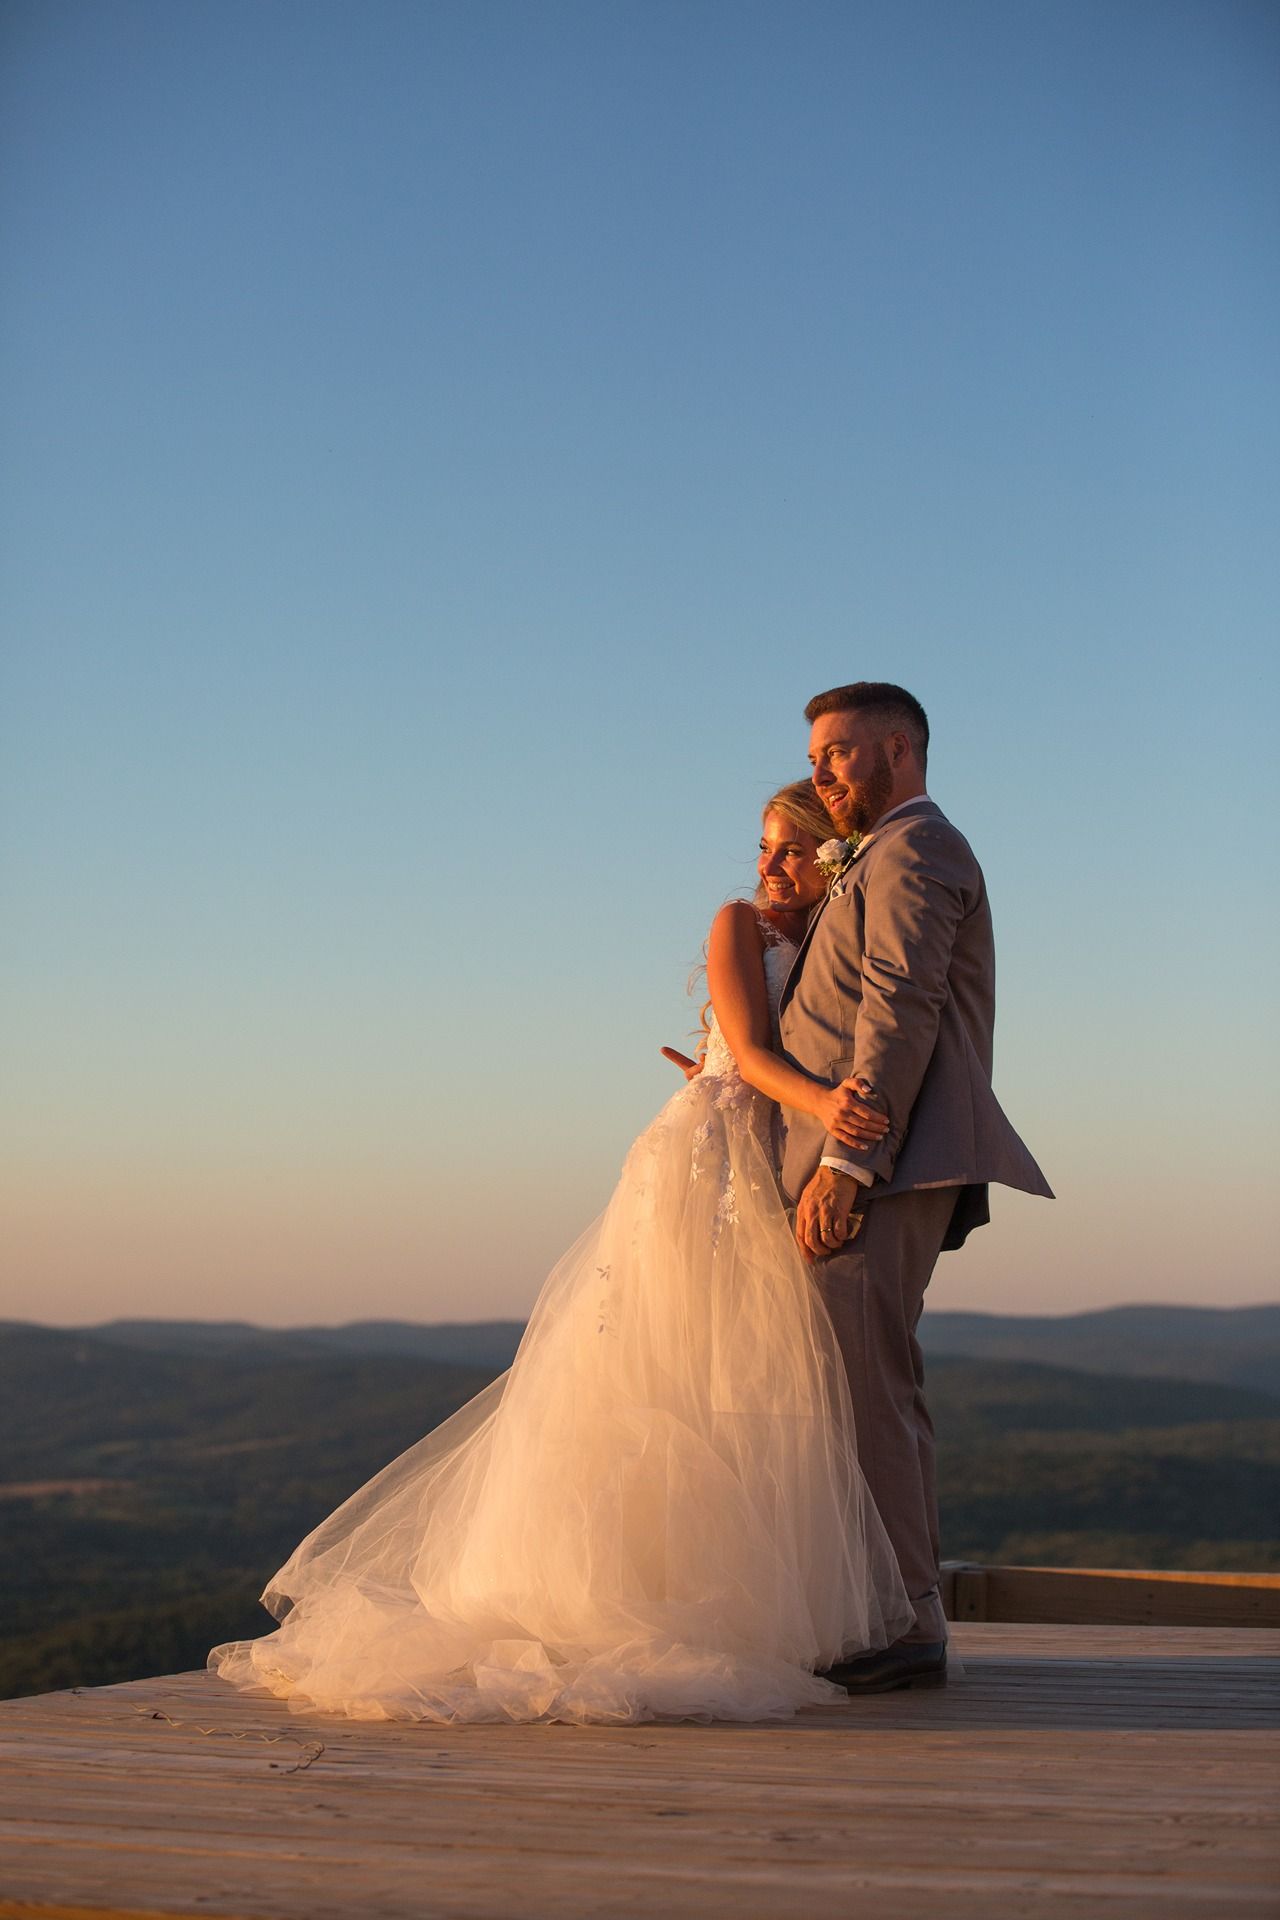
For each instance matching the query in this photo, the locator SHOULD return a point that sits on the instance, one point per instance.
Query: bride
(658, 1511)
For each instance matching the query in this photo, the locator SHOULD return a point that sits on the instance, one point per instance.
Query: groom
(895, 983)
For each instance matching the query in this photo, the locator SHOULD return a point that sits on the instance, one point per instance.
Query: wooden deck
(1075, 1770)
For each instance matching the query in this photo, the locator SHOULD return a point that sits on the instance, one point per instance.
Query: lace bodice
(778, 956)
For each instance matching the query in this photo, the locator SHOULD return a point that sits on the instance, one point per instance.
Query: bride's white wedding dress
(656, 1513)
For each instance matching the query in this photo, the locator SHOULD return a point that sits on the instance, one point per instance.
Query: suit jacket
(895, 981)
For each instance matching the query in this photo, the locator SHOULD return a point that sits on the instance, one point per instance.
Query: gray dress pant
(874, 1292)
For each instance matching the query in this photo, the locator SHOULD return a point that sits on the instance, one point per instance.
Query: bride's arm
(735, 976)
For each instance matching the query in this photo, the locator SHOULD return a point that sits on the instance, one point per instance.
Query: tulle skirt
(656, 1513)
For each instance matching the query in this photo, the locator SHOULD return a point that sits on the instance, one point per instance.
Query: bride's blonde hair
(799, 804)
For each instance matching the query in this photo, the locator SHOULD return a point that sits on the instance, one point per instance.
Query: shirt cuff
(860, 1174)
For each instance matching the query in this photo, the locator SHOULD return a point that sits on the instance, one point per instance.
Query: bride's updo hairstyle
(799, 804)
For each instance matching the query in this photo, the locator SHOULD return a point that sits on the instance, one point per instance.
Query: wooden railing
(1103, 1596)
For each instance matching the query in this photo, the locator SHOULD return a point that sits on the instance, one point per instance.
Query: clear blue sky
(447, 444)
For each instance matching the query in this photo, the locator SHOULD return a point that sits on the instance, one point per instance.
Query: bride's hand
(848, 1115)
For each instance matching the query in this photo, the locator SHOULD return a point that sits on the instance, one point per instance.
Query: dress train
(656, 1513)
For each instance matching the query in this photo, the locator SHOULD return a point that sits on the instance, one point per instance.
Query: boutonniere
(833, 856)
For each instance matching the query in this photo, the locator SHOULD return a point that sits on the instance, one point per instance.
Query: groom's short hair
(899, 710)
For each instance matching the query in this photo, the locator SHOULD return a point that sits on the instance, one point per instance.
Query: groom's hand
(689, 1068)
(824, 1217)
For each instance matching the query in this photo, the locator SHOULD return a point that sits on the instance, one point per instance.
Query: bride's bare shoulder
(738, 916)
(738, 911)
(737, 928)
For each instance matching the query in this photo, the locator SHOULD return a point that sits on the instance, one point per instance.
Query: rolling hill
(154, 1475)
(1239, 1346)
(1235, 1346)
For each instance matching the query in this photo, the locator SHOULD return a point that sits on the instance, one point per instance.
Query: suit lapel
(793, 972)
(909, 811)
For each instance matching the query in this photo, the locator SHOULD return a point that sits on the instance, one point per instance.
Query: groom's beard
(866, 799)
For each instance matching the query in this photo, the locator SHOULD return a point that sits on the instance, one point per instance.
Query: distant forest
(155, 1474)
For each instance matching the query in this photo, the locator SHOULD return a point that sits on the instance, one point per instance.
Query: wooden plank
(1270, 1582)
(1098, 1596)
(40, 1910)
(1117, 1771)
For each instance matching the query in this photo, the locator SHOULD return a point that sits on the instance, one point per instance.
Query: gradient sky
(448, 443)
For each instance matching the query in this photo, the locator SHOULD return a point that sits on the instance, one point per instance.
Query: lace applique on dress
(778, 957)
(733, 1101)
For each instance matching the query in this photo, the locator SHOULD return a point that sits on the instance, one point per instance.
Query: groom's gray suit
(895, 982)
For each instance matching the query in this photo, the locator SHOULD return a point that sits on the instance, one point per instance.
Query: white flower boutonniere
(833, 856)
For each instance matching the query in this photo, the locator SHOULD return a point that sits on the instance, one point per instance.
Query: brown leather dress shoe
(908, 1663)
